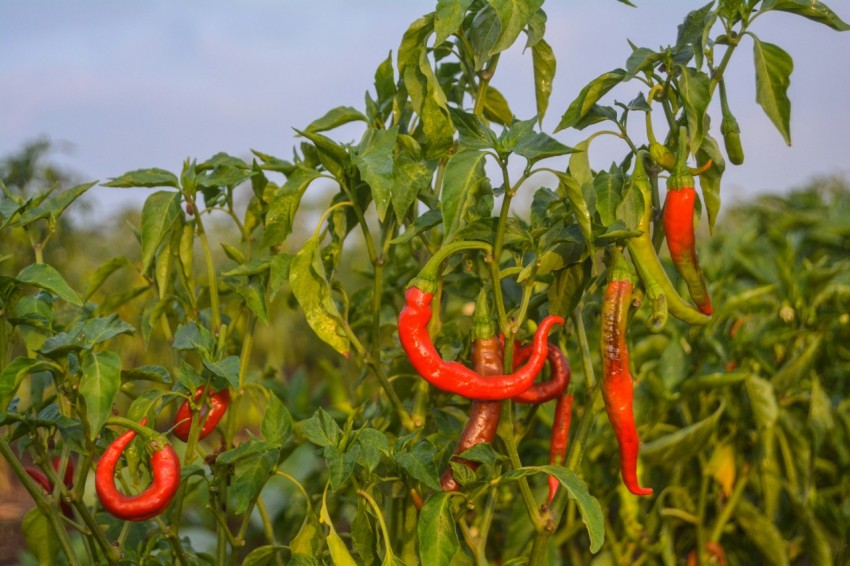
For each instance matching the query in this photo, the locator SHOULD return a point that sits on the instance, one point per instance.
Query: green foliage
(331, 449)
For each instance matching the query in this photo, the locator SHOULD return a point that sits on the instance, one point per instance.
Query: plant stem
(211, 275)
(42, 504)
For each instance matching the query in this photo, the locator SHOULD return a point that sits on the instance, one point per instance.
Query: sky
(132, 84)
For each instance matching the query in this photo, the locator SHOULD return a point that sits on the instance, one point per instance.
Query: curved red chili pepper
(453, 376)
(548, 390)
(483, 415)
(617, 389)
(165, 469)
(217, 403)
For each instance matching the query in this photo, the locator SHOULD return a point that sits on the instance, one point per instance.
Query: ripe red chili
(679, 228)
(617, 381)
(560, 437)
(453, 376)
(165, 470)
(41, 478)
(217, 403)
(483, 415)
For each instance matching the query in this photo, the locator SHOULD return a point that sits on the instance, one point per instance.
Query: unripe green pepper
(730, 130)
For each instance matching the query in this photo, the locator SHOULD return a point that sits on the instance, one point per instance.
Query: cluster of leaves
(358, 476)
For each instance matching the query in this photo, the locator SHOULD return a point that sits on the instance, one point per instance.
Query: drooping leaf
(284, 205)
(544, 64)
(374, 160)
(250, 475)
(694, 90)
(811, 9)
(773, 76)
(99, 386)
(709, 180)
(513, 16)
(339, 552)
(160, 213)
(438, 541)
(46, 277)
(312, 290)
(277, 422)
(464, 171)
(448, 16)
(680, 446)
(40, 538)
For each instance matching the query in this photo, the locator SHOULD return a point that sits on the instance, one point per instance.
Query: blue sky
(135, 84)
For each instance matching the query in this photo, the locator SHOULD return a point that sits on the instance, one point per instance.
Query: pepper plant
(335, 455)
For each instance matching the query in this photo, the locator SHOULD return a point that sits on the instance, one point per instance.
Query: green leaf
(694, 89)
(448, 16)
(254, 295)
(40, 538)
(277, 422)
(308, 540)
(46, 277)
(763, 401)
(332, 155)
(321, 429)
(159, 214)
(709, 180)
(464, 172)
(340, 554)
(641, 59)
(249, 477)
(411, 175)
(228, 369)
(14, 373)
(693, 31)
(310, 286)
(570, 187)
(590, 95)
(335, 118)
(811, 9)
(543, 61)
(567, 288)
(773, 75)
(496, 107)
(438, 542)
(284, 205)
(609, 193)
(374, 160)
(539, 146)
(193, 337)
(55, 204)
(100, 274)
(422, 223)
(761, 531)
(588, 506)
(278, 273)
(373, 443)
(145, 178)
(678, 447)
(513, 16)
(419, 463)
(99, 386)
(473, 131)
(262, 555)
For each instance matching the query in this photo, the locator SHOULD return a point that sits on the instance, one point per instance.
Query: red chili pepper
(556, 387)
(165, 470)
(483, 415)
(41, 478)
(217, 403)
(560, 437)
(617, 389)
(453, 376)
(679, 228)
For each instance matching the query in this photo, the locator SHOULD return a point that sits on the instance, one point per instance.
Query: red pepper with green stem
(679, 227)
(659, 289)
(216, 403)
(617, 388)
(165, 472)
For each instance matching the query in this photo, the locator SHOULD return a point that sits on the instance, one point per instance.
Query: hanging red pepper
(217, 403)
(560, 437)
(617, 388)
(453, 376)
(679, 227)
(165, 471)
(68, 479)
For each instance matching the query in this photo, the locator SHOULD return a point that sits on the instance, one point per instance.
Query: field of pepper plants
(481, 346)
